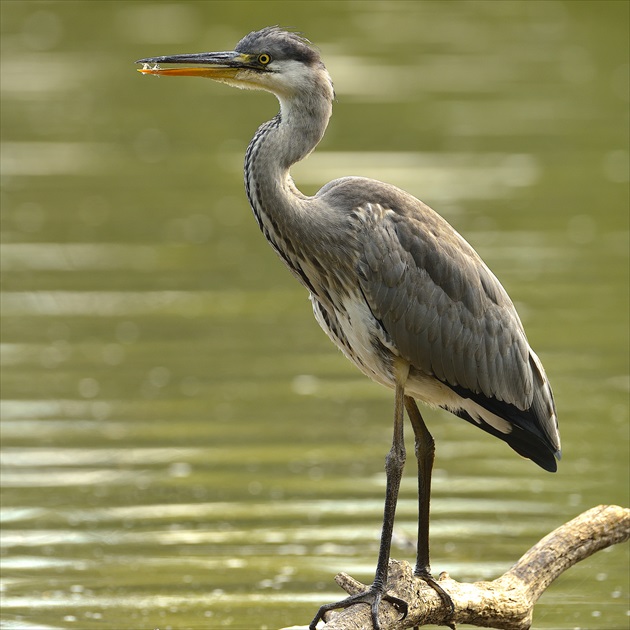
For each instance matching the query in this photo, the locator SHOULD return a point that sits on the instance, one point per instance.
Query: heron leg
(394, 464)
(425, 454)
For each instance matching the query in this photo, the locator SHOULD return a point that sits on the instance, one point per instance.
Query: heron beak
(217, 65)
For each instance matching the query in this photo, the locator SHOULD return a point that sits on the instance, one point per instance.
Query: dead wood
(506, 603)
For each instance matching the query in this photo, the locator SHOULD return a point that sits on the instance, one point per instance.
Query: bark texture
(506, 603)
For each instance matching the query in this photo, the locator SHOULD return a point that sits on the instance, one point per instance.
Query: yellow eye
(264, 59)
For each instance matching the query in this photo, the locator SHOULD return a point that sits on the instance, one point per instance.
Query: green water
(182, 447)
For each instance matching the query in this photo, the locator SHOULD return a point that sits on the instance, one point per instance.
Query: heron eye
(264, 59)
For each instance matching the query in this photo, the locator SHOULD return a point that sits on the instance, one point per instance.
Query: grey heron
(393, 285)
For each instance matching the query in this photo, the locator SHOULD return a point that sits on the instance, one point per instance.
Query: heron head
(271, 59)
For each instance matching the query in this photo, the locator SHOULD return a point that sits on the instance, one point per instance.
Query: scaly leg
(425, 454)
(394, 463)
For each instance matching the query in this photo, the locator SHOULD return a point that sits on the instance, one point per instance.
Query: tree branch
(506, 603)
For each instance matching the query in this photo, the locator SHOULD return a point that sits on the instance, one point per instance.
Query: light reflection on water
(180, 446)
(128, 303)
(55, 158)
(446, 177)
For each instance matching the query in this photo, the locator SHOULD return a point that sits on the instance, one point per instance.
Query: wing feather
(437, 304)
(444, 310)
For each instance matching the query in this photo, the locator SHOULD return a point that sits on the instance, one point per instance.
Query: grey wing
(443, 309)
(445, 312)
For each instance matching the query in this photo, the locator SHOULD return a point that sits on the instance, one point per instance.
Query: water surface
(182, 447)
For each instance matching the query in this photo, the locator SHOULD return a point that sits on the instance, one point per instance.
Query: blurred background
(182, 446)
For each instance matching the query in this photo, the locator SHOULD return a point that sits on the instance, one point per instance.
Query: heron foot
(372, 597)
(444, 596)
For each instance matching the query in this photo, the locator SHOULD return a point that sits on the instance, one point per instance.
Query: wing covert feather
(444, 310)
